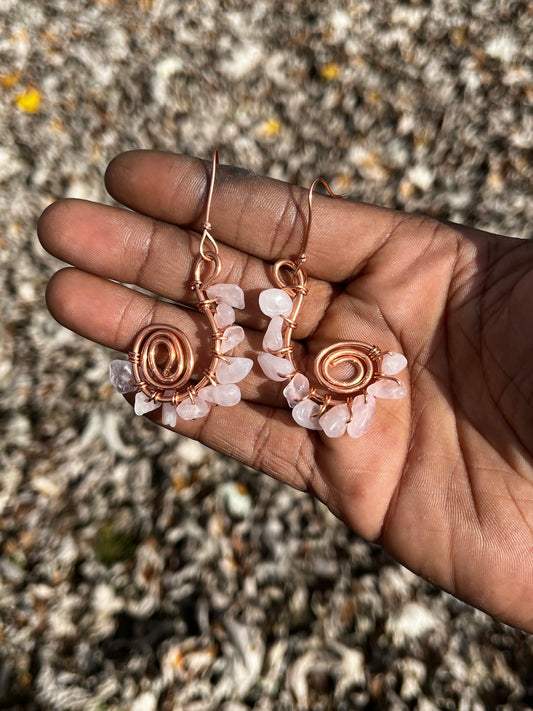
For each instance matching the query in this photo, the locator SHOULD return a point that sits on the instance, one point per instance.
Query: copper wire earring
(161, 360)
(344, 403)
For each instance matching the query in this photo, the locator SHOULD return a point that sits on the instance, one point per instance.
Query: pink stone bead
(224, 315)
(225, 395)
(333, 422)
(275, 302)
(168, 414)
(304, 413)
(387, 389)
(296, 390)
(230, 294)
(393, 364)
(274, 367)
(273, 338)
(234, 371)
(193, 411)
(144, 404)
(361, 415)
(233, 335)
(121, 376)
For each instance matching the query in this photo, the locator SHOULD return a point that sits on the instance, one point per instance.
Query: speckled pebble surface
(139, 570)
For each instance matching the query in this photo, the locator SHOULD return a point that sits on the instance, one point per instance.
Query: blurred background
(140, 570)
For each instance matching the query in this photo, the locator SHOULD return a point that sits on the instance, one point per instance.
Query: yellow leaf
(270, 127)
(29, 101)
(330, 71)
(8, 81)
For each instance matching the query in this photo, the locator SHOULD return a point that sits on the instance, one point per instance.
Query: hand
(443, 478)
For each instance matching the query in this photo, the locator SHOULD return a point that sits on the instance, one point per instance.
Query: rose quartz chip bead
(234, 371)
(362, 411)
(273, 338)
(274, 367)
(229, 294)
(275, 302)
(232, 336)
(393, 363)
(387, 389)
(305, 413)
(334, 421)
(225, 395)
(296, 390)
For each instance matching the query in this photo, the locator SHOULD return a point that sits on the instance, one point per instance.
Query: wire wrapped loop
(298, 283)
(208, 260)
(360, 356)
(162, 360)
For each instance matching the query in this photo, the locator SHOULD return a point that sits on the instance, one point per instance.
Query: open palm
(443, 478)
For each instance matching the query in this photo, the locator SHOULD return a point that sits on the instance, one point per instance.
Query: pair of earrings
(160, 363)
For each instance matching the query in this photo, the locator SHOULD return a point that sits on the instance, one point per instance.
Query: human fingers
(261, 216)
(262, 437)
(118, 244)
(111, 314)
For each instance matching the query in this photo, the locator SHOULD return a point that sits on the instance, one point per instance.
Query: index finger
(260, 216)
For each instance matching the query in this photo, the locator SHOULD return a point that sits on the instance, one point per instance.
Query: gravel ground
(140, 570)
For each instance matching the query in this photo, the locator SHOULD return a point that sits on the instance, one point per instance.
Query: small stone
(230, 294)
(144, 404)
(273, 338)
(234, 371)
(362, 412)
(121, 376)
(188, 410)
(274, 367)
(296, 390)
(236, 498)
(225, 395)
(168, 414)
(304, 413)
(393, 364)
(233, 335)
(333, 422)
(275, 302)
(224, 315)
(387, 389)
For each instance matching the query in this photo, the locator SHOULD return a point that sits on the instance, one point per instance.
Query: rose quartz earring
(161, 360)
(350, 374)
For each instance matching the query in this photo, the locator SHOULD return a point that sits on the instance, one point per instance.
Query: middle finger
(119, 244)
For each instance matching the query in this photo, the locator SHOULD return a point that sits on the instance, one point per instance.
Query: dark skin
(443, 478)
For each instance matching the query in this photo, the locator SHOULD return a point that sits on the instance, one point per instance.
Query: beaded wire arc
(348, 403)
(161, 360)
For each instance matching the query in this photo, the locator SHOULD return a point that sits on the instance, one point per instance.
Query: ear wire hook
(300, 259)
(206, 225)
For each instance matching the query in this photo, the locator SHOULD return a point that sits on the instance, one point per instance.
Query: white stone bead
(233, 335)
(275, 302)
(225, 395)
(274, 367)
(168, 414)
(296, 390)
(387, 389)
(230, 294)
(121, 376)
(304, 413)
(144, 404)
(234, 371)
(193, 411)
(393, 364)
(361, 415)
(224, 315)
(273, 338)
(333, 422)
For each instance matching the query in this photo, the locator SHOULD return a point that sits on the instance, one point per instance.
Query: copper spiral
(162, 360)
(360, 356)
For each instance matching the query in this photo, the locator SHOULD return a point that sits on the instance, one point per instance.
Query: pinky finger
(262, 437)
